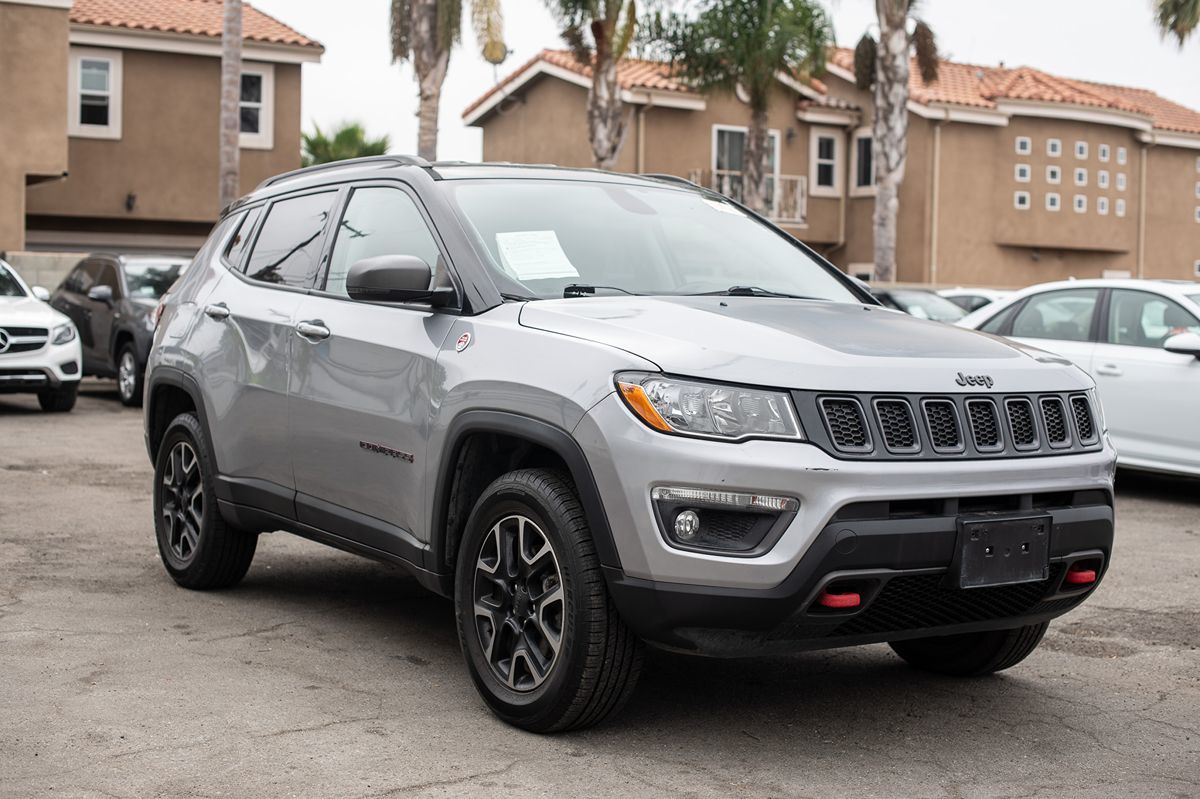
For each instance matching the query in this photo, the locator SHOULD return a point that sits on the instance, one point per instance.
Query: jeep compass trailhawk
(599, 410)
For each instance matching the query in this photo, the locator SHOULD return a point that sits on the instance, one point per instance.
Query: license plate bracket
(1001, 550)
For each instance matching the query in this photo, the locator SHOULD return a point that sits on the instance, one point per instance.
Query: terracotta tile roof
(188, 17)
(981, 86)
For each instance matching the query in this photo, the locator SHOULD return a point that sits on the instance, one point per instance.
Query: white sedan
(973, 299)
(1139, 339)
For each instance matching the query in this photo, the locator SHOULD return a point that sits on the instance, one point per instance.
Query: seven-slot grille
(963, 425)
(24, 339)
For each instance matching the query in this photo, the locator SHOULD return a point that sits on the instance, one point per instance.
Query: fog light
(686, 525)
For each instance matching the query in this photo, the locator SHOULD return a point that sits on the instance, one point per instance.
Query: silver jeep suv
(600, 410)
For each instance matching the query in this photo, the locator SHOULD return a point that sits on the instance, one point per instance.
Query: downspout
(1141, 232)
(843, 198)
(934, 198)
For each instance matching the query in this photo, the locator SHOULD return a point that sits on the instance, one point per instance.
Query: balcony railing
(787, 195)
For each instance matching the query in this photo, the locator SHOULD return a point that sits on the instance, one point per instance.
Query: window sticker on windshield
(724, 208)
(533, 255)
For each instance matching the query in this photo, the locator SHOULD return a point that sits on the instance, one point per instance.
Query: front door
(362, 386)
(1060, 321)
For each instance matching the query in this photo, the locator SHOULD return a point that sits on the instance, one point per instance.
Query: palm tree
(884, 65)
(747, 44)
(424, 32)
(599, 33)
(231, 95)
(347, 141)
(1177, 18)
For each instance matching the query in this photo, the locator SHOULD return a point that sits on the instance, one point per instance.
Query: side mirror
(101, 294)
(1184, 344)
(395, 278)
(41, 293)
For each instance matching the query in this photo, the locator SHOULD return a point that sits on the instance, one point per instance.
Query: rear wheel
(543, 643)
(197, 547)
(972, 654)
(129, 377)
(59, 400)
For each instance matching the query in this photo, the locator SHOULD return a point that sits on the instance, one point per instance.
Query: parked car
(1139, 339)
(39, 347)
(600, 409)
(973, 299)
(921, 303)
(111, 299)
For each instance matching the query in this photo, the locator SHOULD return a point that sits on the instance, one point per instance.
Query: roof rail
(398, 160)
(671, 179)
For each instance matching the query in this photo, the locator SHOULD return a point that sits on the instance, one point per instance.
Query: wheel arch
(510, 441)
(170, 393)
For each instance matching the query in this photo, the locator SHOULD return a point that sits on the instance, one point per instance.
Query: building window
(1102, 153)
(1120, 181)
(1054, 147)
(824, 155)
(1102, 206)
(1021, 173)
(256, 107)
(862, 163)
(94, 86)
(1081, 203)
(1102, 178)
(1053, 174)
(1080, 176)
(1053, 201)
(1198, 213)
(1196, 269)
(1120, 207)
(1021, 200)
(1121, 154)
(1081, 150)
(1198, 190)
(1024, 145)
(729, 151)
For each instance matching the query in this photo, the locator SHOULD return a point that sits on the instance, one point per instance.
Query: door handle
(1109, 370)
(218, 311)
(313, 331)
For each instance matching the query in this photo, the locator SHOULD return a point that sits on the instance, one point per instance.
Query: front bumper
(47, 368)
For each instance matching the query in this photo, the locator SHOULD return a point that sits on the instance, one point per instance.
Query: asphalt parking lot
(323, 675)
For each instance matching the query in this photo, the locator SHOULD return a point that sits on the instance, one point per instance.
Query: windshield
(9, 285)
(545, 235)
(149, 281)
(926, 305)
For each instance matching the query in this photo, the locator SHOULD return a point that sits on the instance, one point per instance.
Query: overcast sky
(1112, 41)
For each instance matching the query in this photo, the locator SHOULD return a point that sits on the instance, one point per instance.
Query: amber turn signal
(635, 397)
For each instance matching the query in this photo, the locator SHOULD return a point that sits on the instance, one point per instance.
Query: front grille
(985, 425)
(1085, 428)
(846, 424)
(897, 425)
(26, 331)
(24, 339)
(942, 419)
(913, 602)
(1021, 424)
(1054, 419)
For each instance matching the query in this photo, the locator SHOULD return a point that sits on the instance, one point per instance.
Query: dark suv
(111, 300)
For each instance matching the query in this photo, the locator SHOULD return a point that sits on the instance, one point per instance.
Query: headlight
(709, 410)
(63, 334)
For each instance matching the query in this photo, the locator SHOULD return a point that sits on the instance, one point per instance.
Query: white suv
(39, 347)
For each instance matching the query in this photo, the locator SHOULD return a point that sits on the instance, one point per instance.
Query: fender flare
(176, 378)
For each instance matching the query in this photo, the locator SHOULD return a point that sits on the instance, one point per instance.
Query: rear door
(100, 318)
(1150, 396)
(362, 383)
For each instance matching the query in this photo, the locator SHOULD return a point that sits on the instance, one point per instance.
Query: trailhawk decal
(380, 449)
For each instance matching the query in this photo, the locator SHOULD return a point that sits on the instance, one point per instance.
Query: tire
(596, 665)
(59, 400)
(972, 654)
(199, 550)
(130, 377)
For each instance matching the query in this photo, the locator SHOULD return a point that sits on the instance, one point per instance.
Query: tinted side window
(108, 277)
(1140, 319)
(288, 248)
(76, 280)
(236, 251)
(1064, 315)
(378, 221)
(996, 323)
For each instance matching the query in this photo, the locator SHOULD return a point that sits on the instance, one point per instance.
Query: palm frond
(627, 30)
(865, 54)
(1178, 18)
(449, 23)
(578, 44)
(925, 47)
(400, 27)
(489, 30)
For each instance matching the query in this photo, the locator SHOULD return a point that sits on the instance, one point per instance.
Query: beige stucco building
(111, 119)
(1014, 176)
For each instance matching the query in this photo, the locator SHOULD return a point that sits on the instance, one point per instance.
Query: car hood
(28, 312)
(803, 344)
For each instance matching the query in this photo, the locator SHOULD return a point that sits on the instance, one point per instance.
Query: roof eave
(190, 44)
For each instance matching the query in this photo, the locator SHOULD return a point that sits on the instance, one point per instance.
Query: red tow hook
(839, 600)
(1078, 575)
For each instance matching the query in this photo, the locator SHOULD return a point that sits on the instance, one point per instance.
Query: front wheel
(59, 400)
(972, 654)
(542, 641)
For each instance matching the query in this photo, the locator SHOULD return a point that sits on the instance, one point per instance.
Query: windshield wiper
(580, 289)
(753, 291)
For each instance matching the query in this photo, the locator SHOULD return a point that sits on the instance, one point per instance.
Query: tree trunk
(228, 188)
(754, 165)
(430, 62)
(605, 111)
(890, 148)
